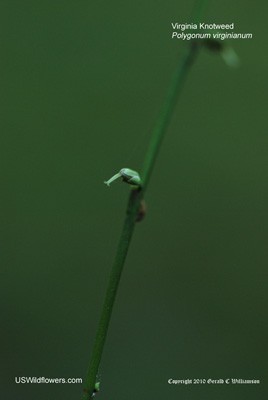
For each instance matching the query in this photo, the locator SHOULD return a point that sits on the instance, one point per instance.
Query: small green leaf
(128, 175)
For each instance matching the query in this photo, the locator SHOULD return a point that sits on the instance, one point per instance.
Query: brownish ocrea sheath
(142, 211)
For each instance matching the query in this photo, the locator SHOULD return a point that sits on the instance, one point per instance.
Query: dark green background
(82, 83)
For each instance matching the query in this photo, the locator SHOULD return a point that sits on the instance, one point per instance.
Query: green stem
(177, 82)
(128, 228)
(135, 198)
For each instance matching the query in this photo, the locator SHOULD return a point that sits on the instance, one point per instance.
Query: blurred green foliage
(81, 86)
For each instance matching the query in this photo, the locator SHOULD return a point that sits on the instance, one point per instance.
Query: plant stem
(128, 228)
(135, 198)
(177, 82)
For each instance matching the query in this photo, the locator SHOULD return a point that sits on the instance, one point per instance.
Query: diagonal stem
(135, 198)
